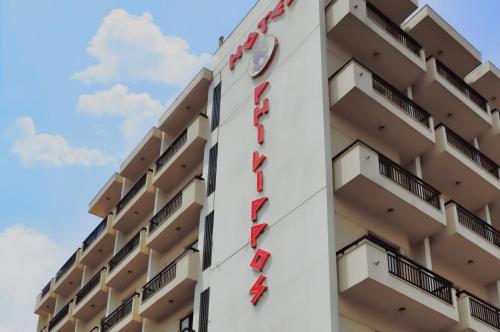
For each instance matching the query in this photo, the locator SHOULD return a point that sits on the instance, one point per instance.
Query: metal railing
(409, 181)
(477, 225)
(463, 87)
(471, 152)
(69, 263)
(45, 290)
(482, 310)
(125, 251)
(94, 329)
(173, 205)
(163, 277)
(408, 270)
(89, 286)
(400, 100)
(171, 150)
(59, 316)
(95, 234)
(118, 314)
(131, 193)
(392, 28)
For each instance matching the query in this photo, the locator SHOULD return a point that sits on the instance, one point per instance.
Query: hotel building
(337, 170)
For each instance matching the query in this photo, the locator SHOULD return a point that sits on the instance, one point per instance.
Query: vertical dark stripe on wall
(207, 243)
(216, 107)
(212, 169)
(204, 301)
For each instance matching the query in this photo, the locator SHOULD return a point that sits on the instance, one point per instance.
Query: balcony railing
(393, 29)
(95, 234)
(483, 311)
(463, 87)
(69, 263)
(125, 251)
(404, 268)
(45, 290)
(173, 205)
(400, 100)
(89, 286)
(59, 316)
(163, 278)
(471, 152)
(477, 225)
(131, 193)
(116, 316)
(409, 181)
(95, 329)
(171, 150)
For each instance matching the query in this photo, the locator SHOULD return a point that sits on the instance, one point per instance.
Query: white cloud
(139, 111)
(51, 150)
(28, 259)
(130, 47)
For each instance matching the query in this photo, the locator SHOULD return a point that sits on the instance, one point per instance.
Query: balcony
(46, 300)
(136, 204)
(129, 262)
(106, 199)
(69, 276)
(372, 182)
(374, 105)
(63, 321)
(99, 243)
(191, 101)
(379, 43)
(451, 101)
(182, 156)
(476, 314)
(92, 297)
(460, 170)
(442, 41)
(469, 244)
(490, 140)
(178, 217)
(173, 287)
(125, 318)
(371, 273)
(485, 79)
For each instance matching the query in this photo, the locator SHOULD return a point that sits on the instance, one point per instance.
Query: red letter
(258, 289)
(258, 112)
(257, 160)
(258, 91)
(260, 134)
(278, 10)
(256, 206)
(262, 25)
(235, 57)
(260, 259)
(260, 181)
(251, 39)
(255, 232)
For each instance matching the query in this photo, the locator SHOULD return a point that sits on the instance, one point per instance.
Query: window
(216, 107)
(204, 299)
(207, 243)
(186, 324)
(212, 169)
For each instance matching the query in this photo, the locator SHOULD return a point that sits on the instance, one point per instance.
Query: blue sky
(65, 124)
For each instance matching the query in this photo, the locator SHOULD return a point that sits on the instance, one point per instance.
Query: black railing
(483, 311)
(118, 314)
(392, 28)
(69, 263)
(408, 270)
(94, 329)
(131, 193)
(409, 181)
(163, 277)
(400, 100)
(171, 150)
(95, 234)
(43, 329)
(125, 251)
(471, 152)
(60, 315)
(173, 205)
(463, 87)
(477, 225)
(45, 290)
(89, 286)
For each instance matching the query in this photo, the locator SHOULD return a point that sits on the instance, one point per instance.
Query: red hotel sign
(264, 52)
